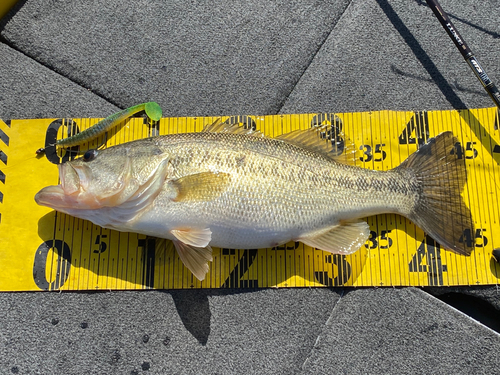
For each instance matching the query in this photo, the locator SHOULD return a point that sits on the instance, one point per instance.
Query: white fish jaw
(71, 193)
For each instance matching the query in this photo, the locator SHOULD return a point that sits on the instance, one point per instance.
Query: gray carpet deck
(86, 59)
(395, 55)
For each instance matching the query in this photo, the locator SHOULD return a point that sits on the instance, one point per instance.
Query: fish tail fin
(440, 177)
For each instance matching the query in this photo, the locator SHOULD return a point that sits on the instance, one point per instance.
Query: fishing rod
(464, 49)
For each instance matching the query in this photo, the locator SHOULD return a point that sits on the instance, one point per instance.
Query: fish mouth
(53, 197)
(70, 193)
(81, 188)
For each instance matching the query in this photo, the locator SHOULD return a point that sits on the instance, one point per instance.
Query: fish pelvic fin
(194, 258)
(344, 239)
(439, 177)
(193, 237)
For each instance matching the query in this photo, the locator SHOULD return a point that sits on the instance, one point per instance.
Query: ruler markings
(478, 160)
(401, 255)
(467, 144)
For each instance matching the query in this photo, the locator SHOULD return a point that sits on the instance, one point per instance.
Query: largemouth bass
(234, 188)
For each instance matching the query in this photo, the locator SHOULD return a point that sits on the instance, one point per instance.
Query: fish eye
(90, 155)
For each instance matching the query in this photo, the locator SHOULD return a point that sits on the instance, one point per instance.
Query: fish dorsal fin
(195, 258)
(204, 186)
(225, 127)
(323, 140)
(345, 238)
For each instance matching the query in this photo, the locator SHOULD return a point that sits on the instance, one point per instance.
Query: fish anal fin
(204, 186)
(226, 127)
(345, 238)
(193, 236)
(322, 140)
(194, 258)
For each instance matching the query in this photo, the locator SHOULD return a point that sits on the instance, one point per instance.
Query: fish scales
(234, 189)
(273, 184)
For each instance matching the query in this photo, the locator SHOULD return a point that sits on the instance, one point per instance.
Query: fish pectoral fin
(195, 258)
(344, 239)
(204, 186)
(193, 237)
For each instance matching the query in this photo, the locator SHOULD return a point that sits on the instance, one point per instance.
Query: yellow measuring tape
(41, 249)
(5, 6)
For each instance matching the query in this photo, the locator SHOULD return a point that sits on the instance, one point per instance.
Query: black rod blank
(464, 49)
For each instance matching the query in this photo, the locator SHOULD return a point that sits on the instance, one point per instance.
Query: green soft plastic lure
(152, 109)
